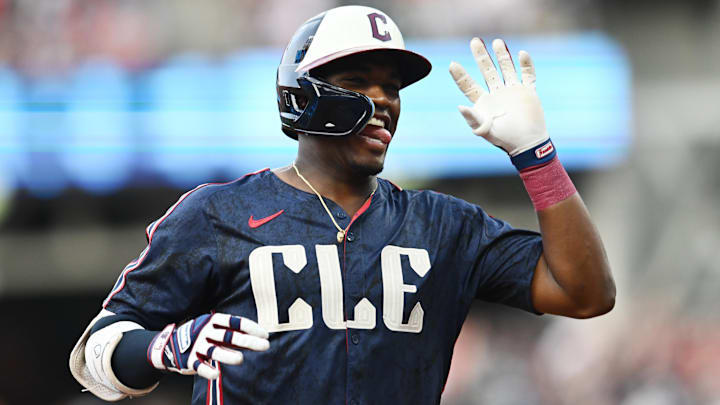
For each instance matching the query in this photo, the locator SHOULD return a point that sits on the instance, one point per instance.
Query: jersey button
(350, 237)
(341, 215)
(355, 339)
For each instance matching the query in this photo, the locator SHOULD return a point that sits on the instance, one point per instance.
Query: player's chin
(369, 167)
(367, 162)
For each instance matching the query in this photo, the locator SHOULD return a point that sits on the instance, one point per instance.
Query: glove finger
(465, 83)
(205, 370)
(224, 355)
(479, 125)
(241, 340)
(470, 118)
(247, 326)
(527, 69)
(485, 63)
(507, 67)
(238, 323)
(220, 319)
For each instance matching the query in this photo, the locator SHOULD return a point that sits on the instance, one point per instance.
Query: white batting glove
(510, 115)
(190, 348)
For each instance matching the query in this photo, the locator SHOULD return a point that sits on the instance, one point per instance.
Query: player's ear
(302, 101)
(296, 99)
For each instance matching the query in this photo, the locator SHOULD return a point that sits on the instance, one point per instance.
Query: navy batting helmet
(310, 105)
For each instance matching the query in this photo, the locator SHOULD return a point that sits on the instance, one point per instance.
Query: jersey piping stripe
(359, 212)
(214, 389)
(213, 397)
(396, 186)
(208, 393)
(219, 384)
(150, 231)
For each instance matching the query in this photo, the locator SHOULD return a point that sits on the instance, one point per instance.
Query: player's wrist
(129, 367)
(535, 156)
(547, 183)
(156, 349)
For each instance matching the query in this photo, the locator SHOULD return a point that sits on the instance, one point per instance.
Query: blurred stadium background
(110, 110)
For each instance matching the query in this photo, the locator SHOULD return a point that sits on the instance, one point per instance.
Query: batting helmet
(310, 105)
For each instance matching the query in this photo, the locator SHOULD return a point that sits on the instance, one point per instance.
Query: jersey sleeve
(501, 260)
(169, 280)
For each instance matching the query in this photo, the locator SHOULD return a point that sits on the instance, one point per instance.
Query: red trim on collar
(396, 186)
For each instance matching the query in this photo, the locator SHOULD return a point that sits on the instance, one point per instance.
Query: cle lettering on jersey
(300, 312)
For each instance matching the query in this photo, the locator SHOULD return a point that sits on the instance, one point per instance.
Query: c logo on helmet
(374, 17)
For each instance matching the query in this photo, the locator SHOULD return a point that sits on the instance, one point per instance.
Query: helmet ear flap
(320, 108)
(332, 110)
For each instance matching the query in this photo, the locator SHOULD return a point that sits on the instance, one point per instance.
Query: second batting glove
(509, 115)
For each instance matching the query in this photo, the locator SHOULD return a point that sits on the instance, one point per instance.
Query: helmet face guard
(328, 110)
(312, 106)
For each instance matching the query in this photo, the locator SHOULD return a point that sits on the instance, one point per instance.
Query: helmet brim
(411, 66)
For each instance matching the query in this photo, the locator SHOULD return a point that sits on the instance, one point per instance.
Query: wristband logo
(544, 150)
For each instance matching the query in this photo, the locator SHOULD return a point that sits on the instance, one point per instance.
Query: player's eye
(355, 79)
(391, 88)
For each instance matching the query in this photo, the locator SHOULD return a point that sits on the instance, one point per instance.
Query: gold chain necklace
(341, 232)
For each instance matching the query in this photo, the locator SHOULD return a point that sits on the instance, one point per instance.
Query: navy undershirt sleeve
(129, 361)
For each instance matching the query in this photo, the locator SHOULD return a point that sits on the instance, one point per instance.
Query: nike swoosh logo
(254, 223)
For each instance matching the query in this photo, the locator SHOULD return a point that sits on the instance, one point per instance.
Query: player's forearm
(575, 258)
(572, 276)
(129, 361)
(123, 359)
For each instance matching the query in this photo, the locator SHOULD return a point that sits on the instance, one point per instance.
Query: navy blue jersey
(371, 320)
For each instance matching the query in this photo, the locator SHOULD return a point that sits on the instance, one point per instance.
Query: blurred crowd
(49, 37)
(657, 212)
(652, 360)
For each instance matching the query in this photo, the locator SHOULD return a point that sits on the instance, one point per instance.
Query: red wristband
(548, 184)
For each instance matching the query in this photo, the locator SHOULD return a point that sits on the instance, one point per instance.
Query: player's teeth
(375, 121)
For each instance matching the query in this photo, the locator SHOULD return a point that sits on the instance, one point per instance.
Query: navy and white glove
(510, 115)
(190, 348)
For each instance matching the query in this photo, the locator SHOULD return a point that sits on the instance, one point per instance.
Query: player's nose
(380, 96)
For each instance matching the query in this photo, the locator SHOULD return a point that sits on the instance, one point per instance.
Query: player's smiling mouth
(377, 122)
(376, 131)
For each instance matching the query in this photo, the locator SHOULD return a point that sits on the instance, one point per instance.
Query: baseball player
(329, 284)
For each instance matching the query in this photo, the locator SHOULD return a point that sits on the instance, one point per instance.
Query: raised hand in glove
(509, 115)
(190, 348)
